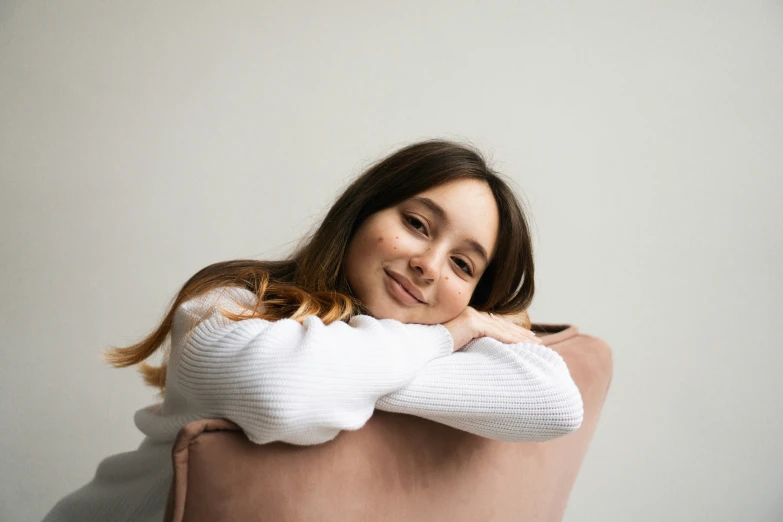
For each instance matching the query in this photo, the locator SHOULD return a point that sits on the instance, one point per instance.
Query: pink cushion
(397, 467)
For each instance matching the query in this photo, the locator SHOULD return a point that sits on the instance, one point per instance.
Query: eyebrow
(441, 215)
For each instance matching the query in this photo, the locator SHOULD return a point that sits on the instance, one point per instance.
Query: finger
(511, 332)
(521, 333)
(499, 329)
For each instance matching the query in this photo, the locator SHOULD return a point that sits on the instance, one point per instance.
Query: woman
(396, 302)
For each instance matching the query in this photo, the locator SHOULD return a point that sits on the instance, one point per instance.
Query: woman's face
(419, 261)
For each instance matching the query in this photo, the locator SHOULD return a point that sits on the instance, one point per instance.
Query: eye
(416, 223)
(465, 267)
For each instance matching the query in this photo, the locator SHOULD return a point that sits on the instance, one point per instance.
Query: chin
(388, 311)
(384, 313)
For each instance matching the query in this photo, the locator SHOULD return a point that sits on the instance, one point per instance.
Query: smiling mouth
(399, 292)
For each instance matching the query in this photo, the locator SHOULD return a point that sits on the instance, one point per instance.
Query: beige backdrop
(141, 141)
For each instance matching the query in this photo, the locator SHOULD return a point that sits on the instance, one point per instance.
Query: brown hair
(311, 282)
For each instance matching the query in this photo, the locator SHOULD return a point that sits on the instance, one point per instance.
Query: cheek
(370, 244)
(389, 240)
(455, 293)
(385, 246)
(375, 244)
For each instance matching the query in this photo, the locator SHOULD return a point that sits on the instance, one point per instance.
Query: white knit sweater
(304, 383)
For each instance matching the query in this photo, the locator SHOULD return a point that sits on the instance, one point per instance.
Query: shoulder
(226, 296)
(229, 298)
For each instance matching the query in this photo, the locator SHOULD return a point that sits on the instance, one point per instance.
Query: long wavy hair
(311, 280)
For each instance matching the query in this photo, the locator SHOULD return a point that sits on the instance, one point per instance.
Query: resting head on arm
(428, 235)
(421, 260)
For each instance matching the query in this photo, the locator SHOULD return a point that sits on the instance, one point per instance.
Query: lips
(407, 285)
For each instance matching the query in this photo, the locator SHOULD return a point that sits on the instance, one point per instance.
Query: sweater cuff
(435, 336)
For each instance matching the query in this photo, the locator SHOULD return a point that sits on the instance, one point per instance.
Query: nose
(426, 265)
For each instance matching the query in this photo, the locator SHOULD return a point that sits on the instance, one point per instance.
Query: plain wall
(142, 141)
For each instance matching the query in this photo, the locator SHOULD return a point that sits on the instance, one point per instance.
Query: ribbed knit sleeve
(297, 383)
(512, 392)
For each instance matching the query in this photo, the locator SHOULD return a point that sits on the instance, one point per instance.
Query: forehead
(470, 210)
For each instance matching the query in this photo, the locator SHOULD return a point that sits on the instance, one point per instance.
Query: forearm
(518, 392)
(299, 383)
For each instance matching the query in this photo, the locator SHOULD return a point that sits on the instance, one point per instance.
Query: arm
(292, 382)
(513, 392)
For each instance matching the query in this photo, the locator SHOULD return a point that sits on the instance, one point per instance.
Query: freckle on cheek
(380, 239)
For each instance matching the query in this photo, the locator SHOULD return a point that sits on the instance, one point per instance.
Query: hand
(520, 319)
(472, 323)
